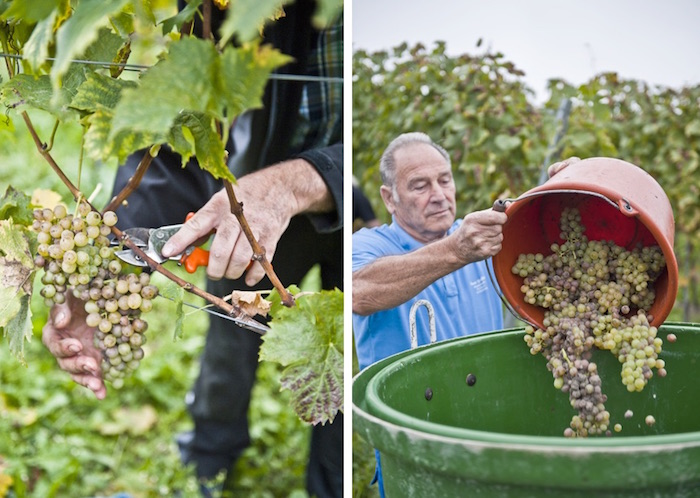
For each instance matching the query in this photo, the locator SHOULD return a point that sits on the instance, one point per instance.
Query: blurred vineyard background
(479, 108)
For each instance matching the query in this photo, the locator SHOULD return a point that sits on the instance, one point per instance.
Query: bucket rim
(418, 428)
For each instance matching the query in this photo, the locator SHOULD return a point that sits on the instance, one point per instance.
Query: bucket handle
(623, 204)
(412, 322)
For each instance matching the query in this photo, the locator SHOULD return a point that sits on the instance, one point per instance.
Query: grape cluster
(595, 294)
(75, 253)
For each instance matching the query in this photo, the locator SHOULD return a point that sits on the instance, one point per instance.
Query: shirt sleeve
(328, 161)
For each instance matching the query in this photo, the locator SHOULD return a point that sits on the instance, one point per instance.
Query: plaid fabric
(321, 111)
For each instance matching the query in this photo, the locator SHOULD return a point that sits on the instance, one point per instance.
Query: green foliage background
(59, 441)
(479, 108)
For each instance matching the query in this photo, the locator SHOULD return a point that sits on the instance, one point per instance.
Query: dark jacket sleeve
(328, 161)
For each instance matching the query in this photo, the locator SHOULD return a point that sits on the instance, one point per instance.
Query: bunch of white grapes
(595, 294)
(74, 251)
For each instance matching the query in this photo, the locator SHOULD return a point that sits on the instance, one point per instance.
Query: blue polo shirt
(465, 301)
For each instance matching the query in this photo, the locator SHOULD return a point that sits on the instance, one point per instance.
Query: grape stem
(233, 309)
(132, 183)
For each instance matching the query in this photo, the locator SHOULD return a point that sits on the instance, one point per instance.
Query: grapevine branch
(230, 308)
(133, 182)
(258, 250)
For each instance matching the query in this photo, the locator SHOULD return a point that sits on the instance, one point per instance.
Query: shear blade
(128, 256)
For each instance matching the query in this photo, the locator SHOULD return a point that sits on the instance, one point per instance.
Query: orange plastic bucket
(618, 201)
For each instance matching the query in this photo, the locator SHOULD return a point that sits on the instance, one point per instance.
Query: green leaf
(506, 142)
(196, 132)
(10, 304)
(159, 98)
(692, 128)
(79, 31)
(245, 19)
(30, 12)
(308, 340)
(100, 145)
(16, 205)
(326, 12)
(181, 17)
(105, 47)
(99, 91)
(36, 50)
(25, 90)
(19, 328)
(581, 140)
(244, 74)
(14, 244)
(172, 291)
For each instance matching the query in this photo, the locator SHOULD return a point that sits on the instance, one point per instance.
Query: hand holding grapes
(70, 340)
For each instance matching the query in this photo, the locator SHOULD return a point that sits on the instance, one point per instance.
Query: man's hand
(70, 340)
(270, 198)
(480, 235)
(557, 167)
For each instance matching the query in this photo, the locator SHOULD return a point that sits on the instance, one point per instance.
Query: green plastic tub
(479, 416)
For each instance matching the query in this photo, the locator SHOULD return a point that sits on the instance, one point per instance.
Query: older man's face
(424, 204)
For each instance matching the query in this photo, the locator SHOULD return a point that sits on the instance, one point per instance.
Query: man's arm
(392, 280)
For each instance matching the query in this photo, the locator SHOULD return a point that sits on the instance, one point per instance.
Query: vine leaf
(36, 50)
(159, 98)
(308, 341)
(16, 272)
(19, 327)
(247, 19)
(99, 91)
(195, 134)
(175, 293)
(326, 12)
(79, 31)
(244, 74)
(181, 17)
(30, 11)
(98, 144)
(16, 205)
(25, 90)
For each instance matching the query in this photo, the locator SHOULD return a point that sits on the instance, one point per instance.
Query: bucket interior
(490, 387)
(533, 226)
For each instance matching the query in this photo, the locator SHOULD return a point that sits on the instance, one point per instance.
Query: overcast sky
(651, 40)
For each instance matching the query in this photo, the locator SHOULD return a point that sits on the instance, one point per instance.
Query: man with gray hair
(423, 254)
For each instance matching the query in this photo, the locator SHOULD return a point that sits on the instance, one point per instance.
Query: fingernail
(167, 250)
(60, 317)
(73, 348)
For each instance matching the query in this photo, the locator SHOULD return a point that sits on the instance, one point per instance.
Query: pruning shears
(151, 242)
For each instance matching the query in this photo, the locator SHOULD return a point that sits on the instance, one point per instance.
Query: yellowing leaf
(136, 421)
(308, 339)
(14, 244)
(45, 198)
(19, 328)
(9, 304)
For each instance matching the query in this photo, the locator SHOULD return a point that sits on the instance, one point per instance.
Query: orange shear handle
(198, 257)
